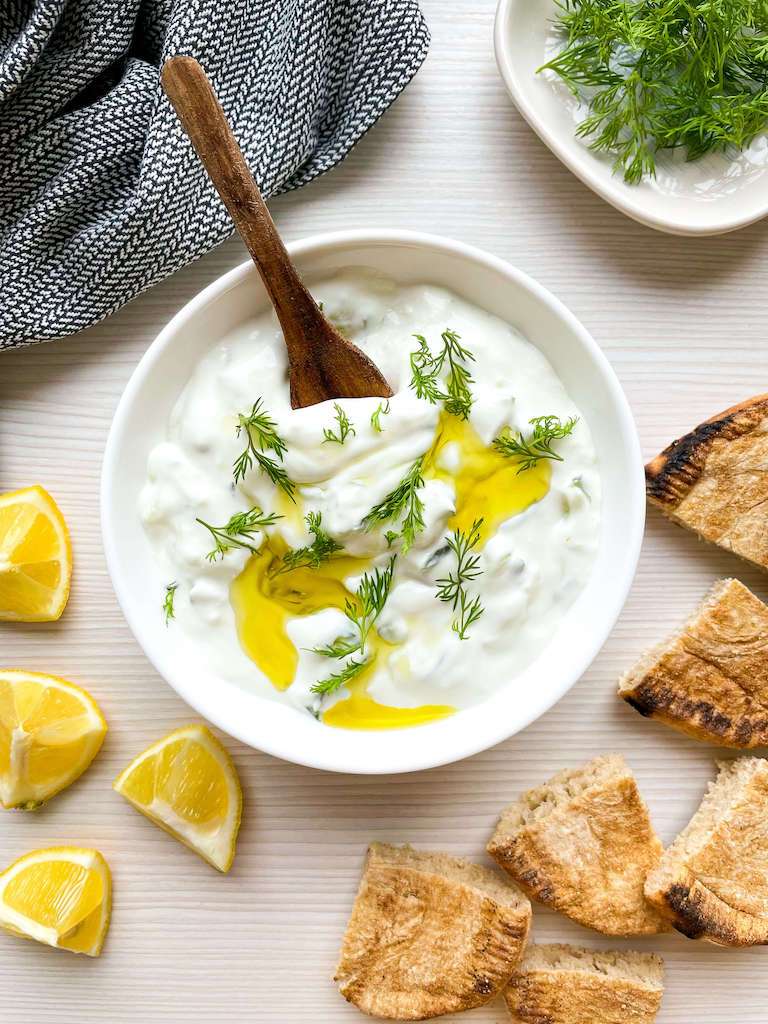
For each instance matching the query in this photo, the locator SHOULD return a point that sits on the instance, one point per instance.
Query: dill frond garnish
(427, 372)
(238, 532)
(345, 427)
(170, 595)
(452, 589)
(319, 551)
(546, 430)
(382, 409)
(425, 378)
(362, 611)
(334, 682)
(660, 74)
(469, 613)
(261, 437)
(341, 647)
(467, 565)
(403, 501)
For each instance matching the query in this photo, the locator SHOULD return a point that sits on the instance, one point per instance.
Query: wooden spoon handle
(200, 113)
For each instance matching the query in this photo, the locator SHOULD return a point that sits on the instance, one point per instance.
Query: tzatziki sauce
(262, 625)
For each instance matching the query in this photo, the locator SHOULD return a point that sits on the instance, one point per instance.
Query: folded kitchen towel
(101, 194)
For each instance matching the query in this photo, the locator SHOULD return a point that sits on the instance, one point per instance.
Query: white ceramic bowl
(710, 196)
(140, 422)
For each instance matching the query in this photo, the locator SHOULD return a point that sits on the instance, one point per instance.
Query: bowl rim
(473, 741)
(611, 191)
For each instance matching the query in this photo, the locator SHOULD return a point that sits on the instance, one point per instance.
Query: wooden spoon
(322, 363)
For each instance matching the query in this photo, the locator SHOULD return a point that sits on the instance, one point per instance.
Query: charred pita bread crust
(568, 985)
(583, 844)
(714, 480)
(429, 934)
(710, 680)
(712, 882)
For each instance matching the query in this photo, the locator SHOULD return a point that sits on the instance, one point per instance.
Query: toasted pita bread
(710, 680)
(429, 934)
(714, 482)
(583, 844)
(567, 985)
(712, 882)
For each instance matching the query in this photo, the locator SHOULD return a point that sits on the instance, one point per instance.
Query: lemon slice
(61, 896)
(186, 783)
(50, 731)
(35, 557)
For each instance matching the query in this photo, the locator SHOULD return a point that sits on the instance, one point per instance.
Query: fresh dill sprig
(341, 647)
(425, 378)
(467, 564)
(319, 551)
(546, 430)
(371, 596)
(459, 399)
(661, 74)
(261, 436)
(170, 595)
(325, 687)
(403, 501)
(469, 613)
(381, 410)
(362, 611)
(345, 427)
(453, 588)
(427, 371)
(238, 532)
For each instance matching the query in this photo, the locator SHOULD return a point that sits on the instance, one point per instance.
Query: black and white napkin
(101, 194)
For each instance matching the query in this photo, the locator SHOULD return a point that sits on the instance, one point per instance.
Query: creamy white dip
(533, 566)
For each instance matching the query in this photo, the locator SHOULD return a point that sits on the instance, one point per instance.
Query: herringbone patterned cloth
(101, 194)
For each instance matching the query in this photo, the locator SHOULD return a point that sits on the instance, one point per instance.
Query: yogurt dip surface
(259, 623)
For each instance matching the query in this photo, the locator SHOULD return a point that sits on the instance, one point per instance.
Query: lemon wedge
(35, 557)
(50, 731)
(61, 896)
(186, 783)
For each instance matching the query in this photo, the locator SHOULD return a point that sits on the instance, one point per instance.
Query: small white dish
(140, 423)
(710, 196)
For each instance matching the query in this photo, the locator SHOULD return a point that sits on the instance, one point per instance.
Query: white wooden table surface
(682, 322)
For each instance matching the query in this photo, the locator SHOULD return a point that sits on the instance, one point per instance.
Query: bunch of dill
(659, 74)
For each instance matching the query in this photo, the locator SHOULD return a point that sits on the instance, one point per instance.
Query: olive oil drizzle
(264, 598)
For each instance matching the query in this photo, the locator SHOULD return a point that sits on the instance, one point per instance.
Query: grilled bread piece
(710, 680)
(583, 844)
(712, 882)
(568, 985)
(713, 480)
(429, 934)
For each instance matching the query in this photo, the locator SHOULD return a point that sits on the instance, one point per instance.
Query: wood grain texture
(680, 321)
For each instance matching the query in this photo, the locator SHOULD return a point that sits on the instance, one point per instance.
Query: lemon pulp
(35, 557)
(488, 486)
(50, 731)
(186, 783)
(60, 896)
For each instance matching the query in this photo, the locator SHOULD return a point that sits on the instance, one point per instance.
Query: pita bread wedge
(712, 882)
(583, 844)
(710, 680)
(567, 985)
(713, 480)
(429, 934)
